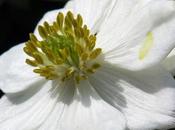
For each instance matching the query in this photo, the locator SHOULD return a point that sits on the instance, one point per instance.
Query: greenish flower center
(66, 51)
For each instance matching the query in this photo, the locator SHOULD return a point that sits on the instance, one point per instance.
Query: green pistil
(66, 51)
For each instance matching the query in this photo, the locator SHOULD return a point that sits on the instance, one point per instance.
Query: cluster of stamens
(67, 49)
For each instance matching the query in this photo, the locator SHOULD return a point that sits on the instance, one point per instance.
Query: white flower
(131, 90)
(169, 62)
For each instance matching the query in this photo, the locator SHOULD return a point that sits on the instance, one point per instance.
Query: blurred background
(19, 17)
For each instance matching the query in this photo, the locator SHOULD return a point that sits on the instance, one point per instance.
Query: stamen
(67, 50)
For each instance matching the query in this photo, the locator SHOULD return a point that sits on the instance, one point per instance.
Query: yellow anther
(31, 46)
(43, 33)
(92, 41)
(31, 62)
(27, 51)
(77, 32)
(47, 27)
(95, 53)
(68, 23)
(58, 61)
(79, 48)
(86, 30)
(38, 71)
(38, 58)
(55, 26)
(60, 19)
(50, 68)
(69, 72)
(70, 15)
(66, 51)
(84, 56)
(33, 38)
(79, 20)
(92, 38)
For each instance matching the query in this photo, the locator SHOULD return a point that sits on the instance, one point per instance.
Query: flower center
(66, 51)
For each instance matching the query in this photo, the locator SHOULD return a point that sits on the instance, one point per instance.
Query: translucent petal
(15, 74)
(93, 11)
(92, 16)
(145, 97)
(127, 42)
(59, 108)
(27, 110)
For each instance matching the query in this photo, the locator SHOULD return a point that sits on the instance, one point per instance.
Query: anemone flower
(93, 65)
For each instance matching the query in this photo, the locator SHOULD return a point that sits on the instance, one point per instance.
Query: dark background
(19, 17)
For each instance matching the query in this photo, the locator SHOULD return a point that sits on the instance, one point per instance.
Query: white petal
(169, 62)
(94, 12)
(29, 109)
(146, 97)
(87, 111)
(15, 74)
(123, 40)
(63, 108)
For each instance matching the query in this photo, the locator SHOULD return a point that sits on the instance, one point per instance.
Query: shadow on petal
(20, 97)
(67, 90)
